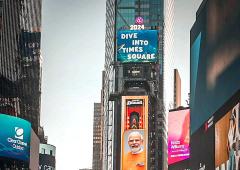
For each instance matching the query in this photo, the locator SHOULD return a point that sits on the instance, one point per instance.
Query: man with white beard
(135, 159)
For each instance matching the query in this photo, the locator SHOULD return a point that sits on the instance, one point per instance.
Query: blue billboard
(15, 136)
(137, 46)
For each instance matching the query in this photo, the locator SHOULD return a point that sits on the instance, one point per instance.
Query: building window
(43, 151)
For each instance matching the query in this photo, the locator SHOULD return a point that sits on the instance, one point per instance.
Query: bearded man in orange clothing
(136, 158)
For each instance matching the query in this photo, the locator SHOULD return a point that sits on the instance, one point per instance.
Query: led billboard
(215, 58)
(15, 136)
(137, 46)
(134, 132)
(227, 140)
(178, 135)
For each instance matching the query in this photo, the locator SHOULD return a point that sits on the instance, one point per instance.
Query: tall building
(20, 60)
(47, 154)
(138, 84)
(214, 86)
(177, 89)
(97, 137)
(20, 82)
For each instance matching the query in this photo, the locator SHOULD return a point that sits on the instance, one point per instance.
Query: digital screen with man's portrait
(134, 133)
(134, 151)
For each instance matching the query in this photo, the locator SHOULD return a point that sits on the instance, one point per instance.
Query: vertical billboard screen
(178, 135)
(137, 46)
(227, 141)
(15, 136)
(134, 132)
(215, 59)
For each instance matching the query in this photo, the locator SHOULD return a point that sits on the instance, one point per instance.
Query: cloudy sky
(73, 42)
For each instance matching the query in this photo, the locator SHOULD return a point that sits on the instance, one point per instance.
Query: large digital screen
(134, 132)
(178, 135)
(227, 140)
(137, 46)
(15, 136)
(215, 59)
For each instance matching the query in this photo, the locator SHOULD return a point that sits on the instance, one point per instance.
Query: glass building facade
(155, 79)
(20, 59)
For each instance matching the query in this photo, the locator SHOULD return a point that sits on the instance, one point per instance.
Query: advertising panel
(15, 136)
(215, 59)
(202, 147)
(178, 135)
(137, 46)
(227, 140)
(134, 132)
(30, 47)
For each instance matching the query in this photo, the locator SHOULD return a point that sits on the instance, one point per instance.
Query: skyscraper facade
(177, 89)
(20, 59)
(97, 137)
(138, 72)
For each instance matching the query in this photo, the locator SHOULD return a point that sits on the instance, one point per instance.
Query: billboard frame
(144, 128)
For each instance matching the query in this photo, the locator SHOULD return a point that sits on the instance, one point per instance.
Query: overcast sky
(73, 42)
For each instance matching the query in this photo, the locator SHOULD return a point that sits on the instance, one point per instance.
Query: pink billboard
(178, 135)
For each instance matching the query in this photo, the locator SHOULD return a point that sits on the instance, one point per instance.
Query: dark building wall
(214, 59)
(214, 85)
(20, 60)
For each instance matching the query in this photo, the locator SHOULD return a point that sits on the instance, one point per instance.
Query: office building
(214, 85)
(138, 84)
(97, 137)
(47, 154)
(20, 60)
(20, 79)
(177, 89)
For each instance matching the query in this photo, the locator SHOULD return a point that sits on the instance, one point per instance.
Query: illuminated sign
(15, 136)
(137, 46)
(178, 135)
(134, 132)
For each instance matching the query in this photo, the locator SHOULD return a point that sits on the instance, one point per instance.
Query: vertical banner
(134, 133)
(178, 135)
